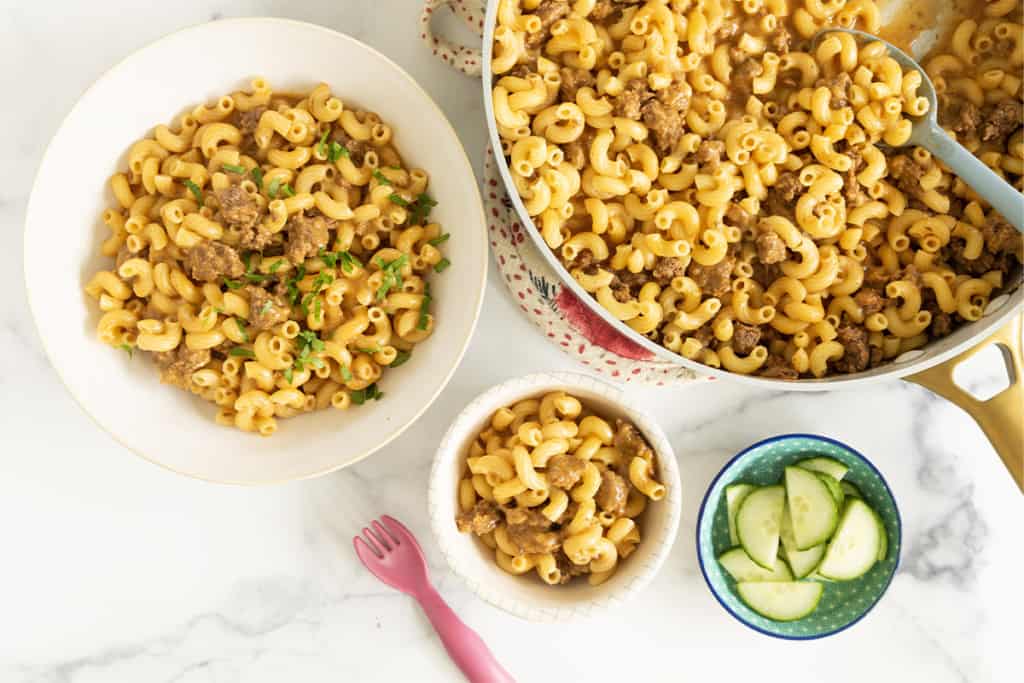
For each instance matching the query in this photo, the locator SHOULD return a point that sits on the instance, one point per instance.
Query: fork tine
(397, 529)
(371, 541)
(380, 542)
(364, 550)
(386, 533)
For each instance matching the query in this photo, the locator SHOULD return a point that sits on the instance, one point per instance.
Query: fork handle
(464, 646)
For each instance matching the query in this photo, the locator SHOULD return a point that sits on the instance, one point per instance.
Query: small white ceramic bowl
(524, 596)
(63, 232)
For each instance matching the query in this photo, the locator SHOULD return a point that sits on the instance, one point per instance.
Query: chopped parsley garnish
(381, 178)
(233, 168)
(421, 209)
(349, 262)
(392, 275)
(400, 359)
(323, 278)
(247, 261)
(242, 351)
(337, 151)
(316, 308)
(127, 348)
(321, 147)
(232, 284)
(267, 305)
(330, 258)
(437, 241)
(424, 309)
(308, 343)
(370, 393)
(288, 375)
(307, 339)
(196, 192)
(287, 190)
(276, 265)
(346, 374)
(369, 351)
(241, 330)
(398, 199)
(256, 277)
(257, 176)
(272, 189)
(442, 265)
(293, 285)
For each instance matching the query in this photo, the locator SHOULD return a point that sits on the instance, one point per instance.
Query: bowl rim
(32, 199)
(929, 357)
(533, 384)
(701, 561)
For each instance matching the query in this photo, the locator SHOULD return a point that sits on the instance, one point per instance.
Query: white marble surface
(114, 570)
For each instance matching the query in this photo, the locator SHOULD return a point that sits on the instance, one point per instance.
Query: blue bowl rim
(784, 437)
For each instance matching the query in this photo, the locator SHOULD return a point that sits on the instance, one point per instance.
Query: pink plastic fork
(391, 553)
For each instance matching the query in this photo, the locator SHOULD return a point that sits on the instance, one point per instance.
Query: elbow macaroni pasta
(273, 253)
(723, 187)
(559, 489)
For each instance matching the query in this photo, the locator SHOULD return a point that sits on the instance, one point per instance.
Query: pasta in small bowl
(552, 499)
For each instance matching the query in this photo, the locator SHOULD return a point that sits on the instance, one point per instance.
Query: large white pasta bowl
(527, 596)
(64, 231)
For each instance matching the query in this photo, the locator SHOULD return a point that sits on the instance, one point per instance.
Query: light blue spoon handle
(982, 179)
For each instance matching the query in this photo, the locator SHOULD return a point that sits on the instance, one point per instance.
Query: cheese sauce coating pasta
(271, 252)
(736, 193)
(557, 490)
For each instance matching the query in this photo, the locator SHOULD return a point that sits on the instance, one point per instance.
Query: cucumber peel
(742, 568)
(801, 562)
(734, 495)
(781, 600)
(812, 507)
(854, 549)
(758, 522)
(828, 466)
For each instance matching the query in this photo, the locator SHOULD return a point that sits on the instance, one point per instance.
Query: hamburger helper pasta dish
(272, 253)
(735, 192)
(555, 489)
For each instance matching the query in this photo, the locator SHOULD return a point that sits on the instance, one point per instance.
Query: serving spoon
(926, 132)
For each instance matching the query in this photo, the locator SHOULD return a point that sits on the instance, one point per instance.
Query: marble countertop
(115, 570)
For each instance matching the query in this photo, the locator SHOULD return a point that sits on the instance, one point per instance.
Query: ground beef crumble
(613, 493)
(856, 354)
(210, 260)
(177, 366)
(482, 518)
(715, 280)
(745, 338)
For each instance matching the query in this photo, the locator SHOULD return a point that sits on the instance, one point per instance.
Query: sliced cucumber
(742, 568)
(828, 466)
(854, 548)
(734, 496)
(813, 509)
(833, 487)
(781, 601)
(802, 562)
(815, 576)
(850, 490)
(758, 522)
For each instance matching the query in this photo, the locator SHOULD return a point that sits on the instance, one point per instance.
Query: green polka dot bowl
(843, 603)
